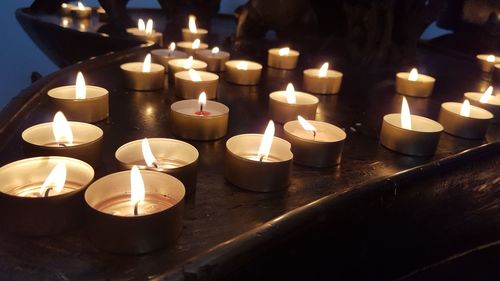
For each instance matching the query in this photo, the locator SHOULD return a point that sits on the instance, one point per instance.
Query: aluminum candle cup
(328, 84)
(187, 47)
(492, 105)
(187, 122)
(321, 149)
(243, 168)
(287, 62)
(422, 87)
(135, 79)
(65, 9)
(189, 89)
(421, 140)
(39, 140)
(189, 36)
(81, 12)
(215, 62)
(487, 61)
(176, 65)
(155, 36)
(173, 157)
(158, 223)
(25, 211)
(472, 127)
(163, 56)
(243, 72)
(93, 108)
(281, 111)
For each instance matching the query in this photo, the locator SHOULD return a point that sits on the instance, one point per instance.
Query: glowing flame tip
(465, 109)
(266, 142)
(290, 94)
(487, 95)
(306, 125)
(146, 66)
(192, 24)
(405, 115)
(284, 51)
(80, 88)
(413, 75)
(148, 155)
(323, 70)
(137, 191)
(55, 180)
(61, 129)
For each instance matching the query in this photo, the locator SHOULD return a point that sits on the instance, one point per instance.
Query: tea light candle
(215, 59)
(464, 120)
(62, 138)
(199, 119)
(146, 32)
(81, 102)
(190, 48)
(242, 72)
(193, 32)
(487, 61)
(43, 195)
(285, 105)
(410, 134)
(163, 56)
(173, 157)
(284, 58)
(65, 9)
(177, 65)
(261, 163)
(414, 84)
(189, 84)
(143, 76)
(315, 143)
(134, 212)
(81, 11)
(487, 101)
(322, 80)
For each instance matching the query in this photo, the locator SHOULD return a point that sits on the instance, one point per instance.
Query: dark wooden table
(220, 212)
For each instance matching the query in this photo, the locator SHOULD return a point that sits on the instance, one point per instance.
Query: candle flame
(196, 44)
(188, 63)
(149, 26)
(413, 75)
(487, 95)
(192, 24)
(266, 142)
(202, 100)
(61, 129)
(405, 115)
(137, 191)
(64, 5)
(194, 75)
(81, 7)
(306, 125)
(146, 66)
(490, 58)
(465, 109)
(171, 47)
(242, 65)
(55, 180)
(149, 158)
(290, 94)
(140, 25)
(80, 88)
(323, 70)
(284, 51)
(215, 50)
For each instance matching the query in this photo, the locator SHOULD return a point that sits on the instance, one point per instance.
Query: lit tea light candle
(414, 84)
(65, 9)
(410, 134)
(256, 162)
(193, 32)
(315, 143)
(43, 194)
(486, 101)
(199, 119)
(135, 212)
(81, 102)
(143, 76)
(322, 80)
(81, 11)
(189, 84)
(285, 105)
(242, 72)
(178, 65)
(487, 61)
(284, 58)
(170, 156)
(215, 59)
(190, 48)
(464, 120)
(163, 56)
(146, 32)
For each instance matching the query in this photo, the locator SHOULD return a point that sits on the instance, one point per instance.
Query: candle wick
(314, 135)
(136, 208)
(261, 158)
(62, 144)
(47, 192)
(156, 165)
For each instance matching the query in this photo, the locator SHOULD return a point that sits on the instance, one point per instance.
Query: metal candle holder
(215, 62)
(189, 36)
(421, 88)
(248, 77)
(187, 47)
(493, 104)
(155, 36)
(189, 89)
(163, 56)
(137, 80)
(329, 84)
(473, 127)
(177, 65)
(281, 111)
(287, 62)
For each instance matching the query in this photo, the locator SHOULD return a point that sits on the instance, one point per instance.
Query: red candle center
(202, 113)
